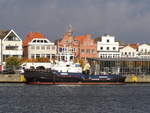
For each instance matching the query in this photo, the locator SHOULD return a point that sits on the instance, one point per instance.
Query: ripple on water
(22, 98)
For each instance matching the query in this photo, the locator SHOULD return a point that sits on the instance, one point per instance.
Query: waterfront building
(107, 47)
(67, 46)
(144, 51)
(71, 47)
(87, 46)
(36, 45)
(124, 66)
(11, 45)
(128, 51)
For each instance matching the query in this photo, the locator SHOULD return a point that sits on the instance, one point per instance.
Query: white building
(10, 45)
(144, 51)
(38, 48)
(107, 47)
(128, 52)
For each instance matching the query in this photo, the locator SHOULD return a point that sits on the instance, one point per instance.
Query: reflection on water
(22, 98)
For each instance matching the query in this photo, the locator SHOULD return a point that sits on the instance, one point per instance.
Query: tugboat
(70, 73)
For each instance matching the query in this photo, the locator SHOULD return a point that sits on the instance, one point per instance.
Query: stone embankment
(12, 78)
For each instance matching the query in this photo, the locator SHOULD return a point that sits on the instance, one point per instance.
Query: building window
(37, 47)
(43, 47)
(32, 47)
(133, 53)
(114, 48)
(48, 56)
(129, 53)
(53, 47)
(32, 56)
(37, 55)
(88, 51)
(101, 48)
(74, 50)
(107, 48)
(93, 51)
(82, 51)
(60, 50)
(12, 38)
(11, 47)
(107, 40)
(43, 55)
(48, 47)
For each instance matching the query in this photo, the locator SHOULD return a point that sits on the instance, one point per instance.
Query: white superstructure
(70, 67)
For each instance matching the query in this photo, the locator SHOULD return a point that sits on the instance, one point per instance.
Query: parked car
(19, 70)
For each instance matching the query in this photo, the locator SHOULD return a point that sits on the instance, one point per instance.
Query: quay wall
(11, 78)
(16, 78)
(138, 79)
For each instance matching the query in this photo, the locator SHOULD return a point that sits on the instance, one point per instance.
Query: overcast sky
(127, 20)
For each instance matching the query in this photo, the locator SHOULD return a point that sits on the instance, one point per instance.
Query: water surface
(22, 98)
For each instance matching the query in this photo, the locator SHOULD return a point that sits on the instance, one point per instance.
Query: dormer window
(45, 41)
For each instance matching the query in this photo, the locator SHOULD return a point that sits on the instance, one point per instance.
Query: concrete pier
(138, 79)
(11, 78)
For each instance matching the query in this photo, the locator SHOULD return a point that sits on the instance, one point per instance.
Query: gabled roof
(31, 36)
(3, 33)
(135, 46)
(128, 46)
(82, 37)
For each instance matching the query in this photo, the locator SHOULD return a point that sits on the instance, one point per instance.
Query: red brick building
(76, 46)
(87, 46)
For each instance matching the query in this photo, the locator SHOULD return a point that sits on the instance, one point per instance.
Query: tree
(13, 62)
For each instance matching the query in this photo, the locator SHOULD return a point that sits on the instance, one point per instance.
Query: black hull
(44, 77)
